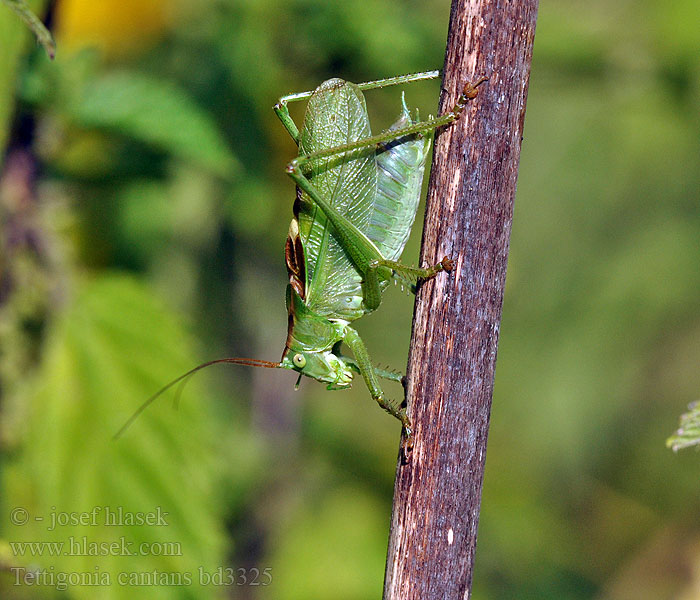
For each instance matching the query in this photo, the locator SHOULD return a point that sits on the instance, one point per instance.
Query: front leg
(383, 373)
(282, 113)
(369, 374)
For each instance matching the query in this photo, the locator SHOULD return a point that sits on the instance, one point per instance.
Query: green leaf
(688, 433)
(112, 348)
(157, 112)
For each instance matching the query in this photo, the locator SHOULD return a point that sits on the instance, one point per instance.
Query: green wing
(336, 114)
(377, 190)
(400, 177)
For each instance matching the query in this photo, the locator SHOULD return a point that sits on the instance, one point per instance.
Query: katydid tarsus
(357, 196)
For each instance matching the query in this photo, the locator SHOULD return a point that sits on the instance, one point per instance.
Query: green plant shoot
(357, 196)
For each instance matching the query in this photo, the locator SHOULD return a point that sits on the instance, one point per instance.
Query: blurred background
(143, 213)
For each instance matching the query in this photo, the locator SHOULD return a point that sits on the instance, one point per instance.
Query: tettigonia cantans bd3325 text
(357, 196)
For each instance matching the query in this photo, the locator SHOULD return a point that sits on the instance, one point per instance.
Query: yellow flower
(117, 27)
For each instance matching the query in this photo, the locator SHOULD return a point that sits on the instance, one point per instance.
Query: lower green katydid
(357, 196)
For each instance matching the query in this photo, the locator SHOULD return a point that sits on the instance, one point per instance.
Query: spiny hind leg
(398, 80)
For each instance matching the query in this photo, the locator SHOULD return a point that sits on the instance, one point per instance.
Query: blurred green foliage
(688, 433)
(143, 212)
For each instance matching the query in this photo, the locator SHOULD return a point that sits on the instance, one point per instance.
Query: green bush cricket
(357, 196)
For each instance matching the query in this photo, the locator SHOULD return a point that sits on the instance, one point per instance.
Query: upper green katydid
(356, 200)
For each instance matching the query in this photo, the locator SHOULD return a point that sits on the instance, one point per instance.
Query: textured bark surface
(456, 322)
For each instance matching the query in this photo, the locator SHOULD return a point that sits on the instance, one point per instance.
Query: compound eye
(299, 361)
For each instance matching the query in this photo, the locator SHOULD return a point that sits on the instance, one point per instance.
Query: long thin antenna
(249, 362)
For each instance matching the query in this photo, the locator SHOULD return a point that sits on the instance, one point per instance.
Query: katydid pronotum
(357, 196)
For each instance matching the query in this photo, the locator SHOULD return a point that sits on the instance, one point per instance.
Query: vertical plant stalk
(457, 318)
(14, 38)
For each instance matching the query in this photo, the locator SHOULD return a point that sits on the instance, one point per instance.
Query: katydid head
(311, 344)
(322, 366)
